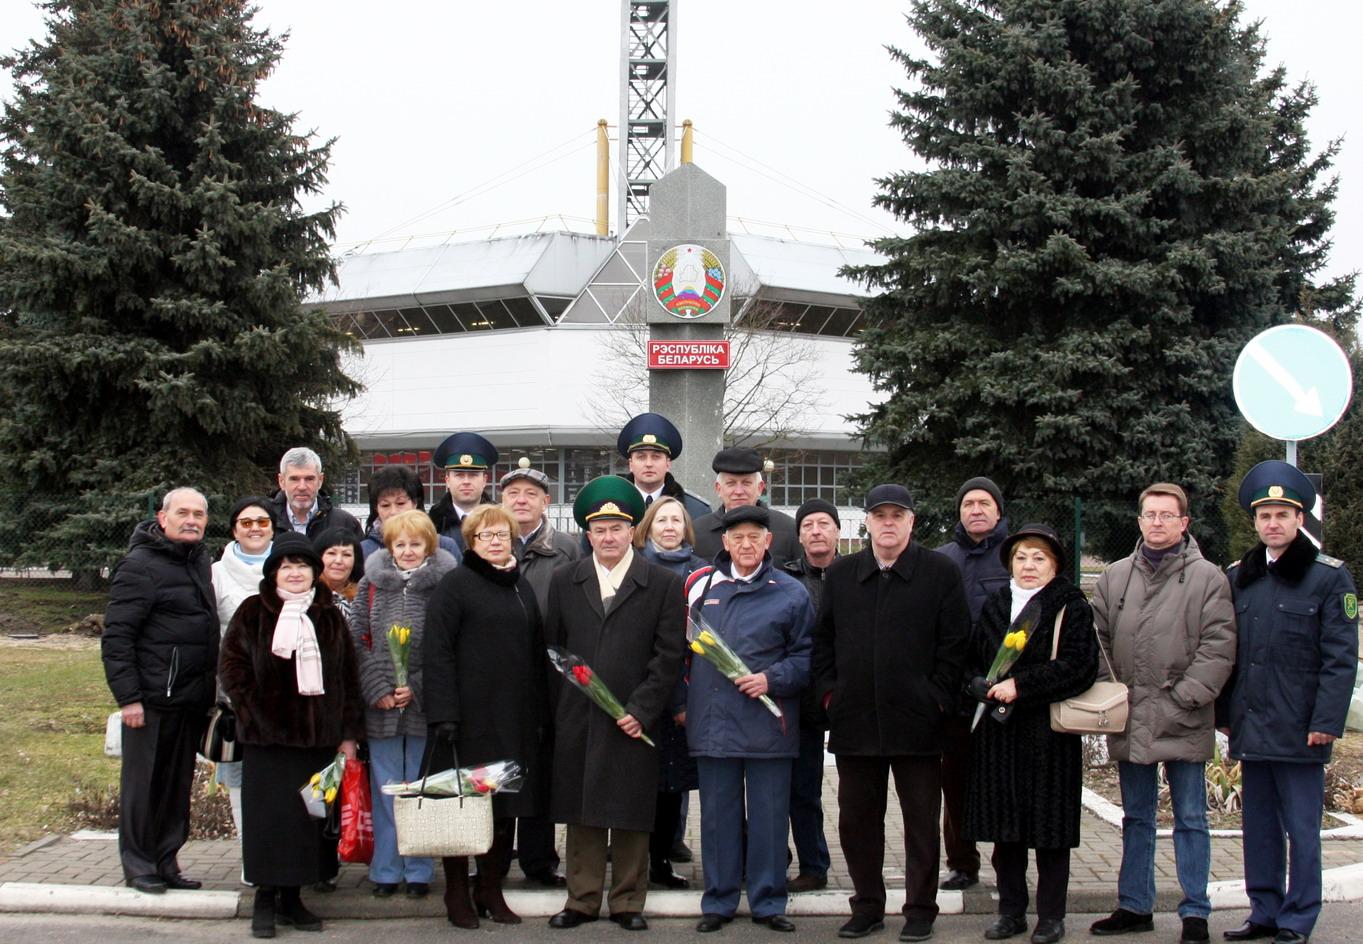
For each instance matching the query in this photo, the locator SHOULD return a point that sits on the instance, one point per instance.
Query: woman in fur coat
(289, 667)
(397, 583)
(1025, 779)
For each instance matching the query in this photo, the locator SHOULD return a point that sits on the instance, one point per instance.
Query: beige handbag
(1102, 709)
(443, 826)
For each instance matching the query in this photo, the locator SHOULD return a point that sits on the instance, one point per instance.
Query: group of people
(884, 652)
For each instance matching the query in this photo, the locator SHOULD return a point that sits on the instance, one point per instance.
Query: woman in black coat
(289, 668)
(665, 536)
(1025, 779)
(486, 696)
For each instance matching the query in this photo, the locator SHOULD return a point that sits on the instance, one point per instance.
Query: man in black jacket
(889, 647)
(974, 547)
(160, 649)
(302, 504)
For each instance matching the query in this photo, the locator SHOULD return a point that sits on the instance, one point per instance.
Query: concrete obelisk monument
(687, 306)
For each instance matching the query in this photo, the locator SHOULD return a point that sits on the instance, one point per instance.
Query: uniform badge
(650, 438)
(1350, 606)
(466, 459)
(1275, 491)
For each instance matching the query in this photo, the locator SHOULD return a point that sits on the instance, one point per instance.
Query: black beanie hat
(983, 484)
(813, 505)
(290, 544)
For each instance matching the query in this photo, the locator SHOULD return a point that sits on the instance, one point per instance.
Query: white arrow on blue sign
(1292, 382)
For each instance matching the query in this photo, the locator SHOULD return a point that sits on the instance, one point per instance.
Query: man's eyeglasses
(743, 540)
(492, 535)
(254, 522)
(1164, 517)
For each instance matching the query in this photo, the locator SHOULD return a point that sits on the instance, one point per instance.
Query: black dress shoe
(1005, 927)
(385, 889)
(663, 876)
(150, 884)
(547, 877)
(1048, 930)
(630, 921)
(567, 918)
(1249, 931)
(1288, 936)
(182, 883)
(680, 852)
(1123, 921)
(418, 889)
(959, 880)
(861, 925)
(775, 922)
(806, 882)
(712, 922)
(916, 929)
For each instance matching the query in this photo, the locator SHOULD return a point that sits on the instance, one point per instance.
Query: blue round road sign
(1292, 382)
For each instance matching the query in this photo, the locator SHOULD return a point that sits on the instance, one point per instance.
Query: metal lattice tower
(647, 100)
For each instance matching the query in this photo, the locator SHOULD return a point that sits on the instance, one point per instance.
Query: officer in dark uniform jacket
(649, 442)
(1296, 657)
(738, 481)
(467, 460)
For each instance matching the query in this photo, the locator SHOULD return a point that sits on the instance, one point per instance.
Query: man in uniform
(540, 549)
(738, 482)
(974, 546)
(466, 459)
(1296, 657)
(626, 618)
(649, 442)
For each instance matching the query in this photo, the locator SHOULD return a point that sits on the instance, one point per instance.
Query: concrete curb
(102, 899)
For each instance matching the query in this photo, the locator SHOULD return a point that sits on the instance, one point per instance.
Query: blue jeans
(725, 782)
(1192, 842)
(392, 760)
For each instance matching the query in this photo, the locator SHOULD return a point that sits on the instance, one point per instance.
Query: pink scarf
(294, 635)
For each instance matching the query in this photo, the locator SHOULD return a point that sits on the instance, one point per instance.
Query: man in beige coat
(1164, 616)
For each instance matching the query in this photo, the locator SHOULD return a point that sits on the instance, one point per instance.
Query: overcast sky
(461, 115)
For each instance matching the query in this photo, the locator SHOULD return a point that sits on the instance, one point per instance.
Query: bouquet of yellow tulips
(320, 791)
(400, 648)
(1009, 653)
(709, 645)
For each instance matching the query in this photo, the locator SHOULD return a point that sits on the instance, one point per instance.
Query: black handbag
(220, 737)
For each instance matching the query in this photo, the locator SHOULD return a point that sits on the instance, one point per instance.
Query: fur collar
(383, 573)
(1292, 566)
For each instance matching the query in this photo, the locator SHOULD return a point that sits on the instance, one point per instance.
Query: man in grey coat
(1165, 619)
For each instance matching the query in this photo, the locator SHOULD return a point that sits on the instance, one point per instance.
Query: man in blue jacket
(740, 747)
(1296, 657)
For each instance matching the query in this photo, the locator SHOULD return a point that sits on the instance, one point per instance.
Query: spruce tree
(154, 250)
(1118, 196)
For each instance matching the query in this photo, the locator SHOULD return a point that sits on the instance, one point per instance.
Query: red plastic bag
(357, 814)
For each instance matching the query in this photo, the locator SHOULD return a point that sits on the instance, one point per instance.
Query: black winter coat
(603, 777)
(1025, 779)
(812, 717)
(982, 571)
(328, 516)
(890, 648)
(785, 543)
(160, 641)
(485, 670)
(264, 688)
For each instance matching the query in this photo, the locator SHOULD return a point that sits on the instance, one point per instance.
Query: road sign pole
(1292, 453)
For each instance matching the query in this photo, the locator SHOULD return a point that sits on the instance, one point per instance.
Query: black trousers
(535, 844)
(1052, 880)
(666, 817)
(863, 791)
(154, 787)
(962, 854)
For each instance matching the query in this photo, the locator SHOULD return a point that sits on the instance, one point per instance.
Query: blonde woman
(397, 583)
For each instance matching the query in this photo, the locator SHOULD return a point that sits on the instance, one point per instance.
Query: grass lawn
(45, 606)
(53, 703)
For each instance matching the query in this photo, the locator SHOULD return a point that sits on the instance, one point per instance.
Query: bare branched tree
(771, 387)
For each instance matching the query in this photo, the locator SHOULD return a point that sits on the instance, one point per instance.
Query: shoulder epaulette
(1328, 561)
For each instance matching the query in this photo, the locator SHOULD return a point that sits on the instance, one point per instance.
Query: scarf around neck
(1021, 598)
(294, 635)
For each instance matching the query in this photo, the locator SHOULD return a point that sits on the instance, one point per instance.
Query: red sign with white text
(688, 355)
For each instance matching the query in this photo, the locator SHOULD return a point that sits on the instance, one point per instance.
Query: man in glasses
(743, 751)
(1165, 619)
